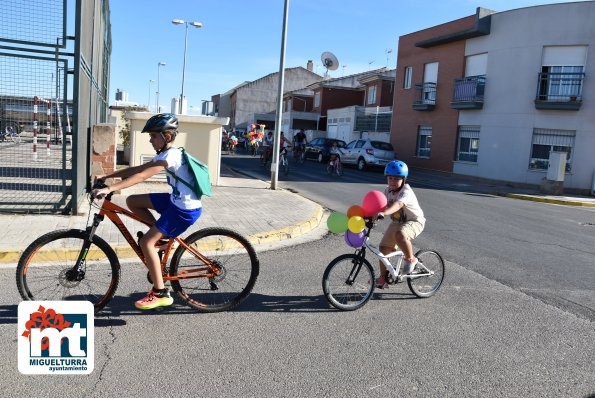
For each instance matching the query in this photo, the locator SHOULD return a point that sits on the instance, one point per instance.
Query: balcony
(559, 91)
(425, 96)
(468, 93)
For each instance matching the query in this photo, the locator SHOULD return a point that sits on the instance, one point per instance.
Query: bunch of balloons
(353, 224)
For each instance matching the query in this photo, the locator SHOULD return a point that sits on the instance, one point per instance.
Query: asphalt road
(476, 337)
(546, 251)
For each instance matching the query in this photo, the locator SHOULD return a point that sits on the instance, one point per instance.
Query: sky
(241, 40)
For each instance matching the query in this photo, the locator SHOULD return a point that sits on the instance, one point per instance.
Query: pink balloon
(353, 239)
(373, 202)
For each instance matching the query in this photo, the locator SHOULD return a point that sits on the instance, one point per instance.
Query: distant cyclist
(299, 143)
(267, 146)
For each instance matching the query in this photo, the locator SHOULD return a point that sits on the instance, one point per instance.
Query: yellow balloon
(356, 224)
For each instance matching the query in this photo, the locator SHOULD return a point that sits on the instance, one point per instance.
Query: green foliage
(125, 123)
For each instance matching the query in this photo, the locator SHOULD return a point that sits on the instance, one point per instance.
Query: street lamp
(157, 107)
(196, 25)
(149, 100)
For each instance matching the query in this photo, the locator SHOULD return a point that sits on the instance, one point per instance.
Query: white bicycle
(349, 281)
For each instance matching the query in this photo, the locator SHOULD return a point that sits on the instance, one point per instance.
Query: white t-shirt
(411, 210)
(181, 196)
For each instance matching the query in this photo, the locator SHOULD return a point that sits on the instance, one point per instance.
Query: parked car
(319, 148)
(366, 152)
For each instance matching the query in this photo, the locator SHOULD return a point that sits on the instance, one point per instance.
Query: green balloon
(337, 222)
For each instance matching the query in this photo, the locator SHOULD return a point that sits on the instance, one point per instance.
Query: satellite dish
(330, 61)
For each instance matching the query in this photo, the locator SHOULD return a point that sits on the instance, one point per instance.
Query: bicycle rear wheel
(348, 283)
(433, 267)
(231, 254)
(45, 269)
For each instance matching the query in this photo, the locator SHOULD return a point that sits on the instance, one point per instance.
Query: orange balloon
(355, 210)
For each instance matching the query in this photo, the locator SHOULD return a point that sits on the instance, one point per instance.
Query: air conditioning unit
(557, 166)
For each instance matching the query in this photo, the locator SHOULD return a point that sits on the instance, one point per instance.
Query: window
(546, 141)
(351, 145)
(424, 141)
(561, 83)
(317, 99)
(360, 144)
(468, 144)
(408, 77)
(371, 95)
(383, 146)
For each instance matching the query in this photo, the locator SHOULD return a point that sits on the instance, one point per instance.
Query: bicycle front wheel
(230, 254)
(46, 269)
(432, 265)
(348, 282)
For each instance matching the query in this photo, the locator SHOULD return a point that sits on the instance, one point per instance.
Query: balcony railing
(468, 93)
(562, 91)
(425, 96)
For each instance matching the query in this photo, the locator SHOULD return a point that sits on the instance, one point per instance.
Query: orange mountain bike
(212, 270)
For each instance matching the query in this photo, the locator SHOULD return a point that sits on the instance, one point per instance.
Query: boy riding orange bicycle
(178, 210)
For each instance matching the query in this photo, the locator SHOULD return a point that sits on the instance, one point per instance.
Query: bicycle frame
(112, 211)
(393, 271)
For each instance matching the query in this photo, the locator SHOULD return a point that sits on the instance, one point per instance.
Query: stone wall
(104, 149)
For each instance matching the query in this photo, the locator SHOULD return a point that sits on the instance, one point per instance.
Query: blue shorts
(173, 221)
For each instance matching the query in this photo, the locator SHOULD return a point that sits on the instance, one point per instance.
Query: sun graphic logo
(56, 337)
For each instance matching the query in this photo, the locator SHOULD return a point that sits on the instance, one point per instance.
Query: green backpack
(202, 181)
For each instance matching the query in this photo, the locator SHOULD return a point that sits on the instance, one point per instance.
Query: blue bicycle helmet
(396, 168)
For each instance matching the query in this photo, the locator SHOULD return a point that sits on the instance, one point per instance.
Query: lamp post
(196, 25)
(157, 107)
(149, 100)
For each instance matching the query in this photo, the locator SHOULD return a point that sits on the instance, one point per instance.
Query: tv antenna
(370, 63)
(329, 61)
(388, 52)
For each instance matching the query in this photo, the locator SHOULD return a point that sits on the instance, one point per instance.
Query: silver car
(366, 152)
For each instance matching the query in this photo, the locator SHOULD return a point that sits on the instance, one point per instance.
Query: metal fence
(46, 88)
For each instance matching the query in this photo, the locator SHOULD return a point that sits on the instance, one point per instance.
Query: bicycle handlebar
(98, 184)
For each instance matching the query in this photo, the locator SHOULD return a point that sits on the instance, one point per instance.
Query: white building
(539, 96)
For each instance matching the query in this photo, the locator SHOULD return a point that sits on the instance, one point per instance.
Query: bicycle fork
(357, 266)
(77, 272)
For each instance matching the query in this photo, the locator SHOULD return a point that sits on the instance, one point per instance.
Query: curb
(290, 232)
(544, 200)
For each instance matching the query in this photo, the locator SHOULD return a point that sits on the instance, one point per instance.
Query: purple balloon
(355, 240)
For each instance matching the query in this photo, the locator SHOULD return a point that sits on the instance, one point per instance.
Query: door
(332, 130)
(347, 156)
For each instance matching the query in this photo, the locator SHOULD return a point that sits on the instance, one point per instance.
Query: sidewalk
(264, 216)
(498, 188)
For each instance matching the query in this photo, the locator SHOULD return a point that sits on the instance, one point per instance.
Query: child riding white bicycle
(408, 219)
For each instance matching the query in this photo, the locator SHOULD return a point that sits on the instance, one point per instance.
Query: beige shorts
(410, 229)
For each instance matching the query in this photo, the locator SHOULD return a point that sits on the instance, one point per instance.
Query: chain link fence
(53, 88)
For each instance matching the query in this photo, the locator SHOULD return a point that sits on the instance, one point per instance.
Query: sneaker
(381, 283)
(409, 266)
(161, 244)
(154, 300)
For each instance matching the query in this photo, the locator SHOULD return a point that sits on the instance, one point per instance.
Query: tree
(125, 123)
